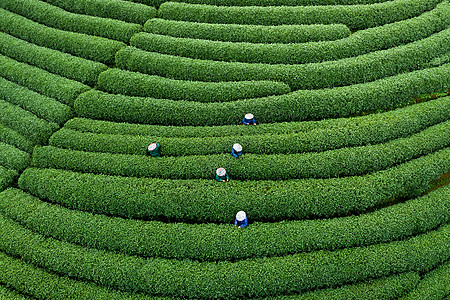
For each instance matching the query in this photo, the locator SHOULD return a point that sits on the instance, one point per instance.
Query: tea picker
(222, 175)
(236, 150)
(241, 219)
(249, 120)
(153, 150)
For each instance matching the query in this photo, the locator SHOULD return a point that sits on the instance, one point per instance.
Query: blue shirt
(241, 223)
(235, 154)
(249, 121)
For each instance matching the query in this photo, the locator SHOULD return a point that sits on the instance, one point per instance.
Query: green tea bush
(9, 136)
(42, 284)
(296, 106)
(359, 43)
(36, 282)
(317, 140)
(354, 70)
(7, 176)
(7, 293)
(90, 47)
(263, 277)
(225, 242)
(42, 106)
(25, 123)
(332, 163)
(394, 123)
(114, 9)
(434, 285)
(136, 84)
(280, 2)
(248, 33)
(52, 16)
(209, 201)
(56, 62)
(13, 158)
(62, 89)
(354, 16)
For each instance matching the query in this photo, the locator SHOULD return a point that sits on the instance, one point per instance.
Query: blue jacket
(248, 121)
(241, 223)
(222, 178)
(235, 154)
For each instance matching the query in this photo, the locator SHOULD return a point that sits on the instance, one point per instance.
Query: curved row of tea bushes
(280, 2)
(353, 70)
(51, 85)
(333, 163)
(6, 293)
(317, 140)
(137, 84)
(354, 16)
(42, 284)
(13, 158)
(210, 242)
(42, 106)
(7, 176)
(126, 11)
(393, 123)
(257, 277)
(300, 105)
(248, 33)
(359, 43)
(13, 138)
(90, 47)
(63, 64)
(26, 124)
(209, 201)
(438, 61)
(434, 285)
(36, 281)
(49, 15)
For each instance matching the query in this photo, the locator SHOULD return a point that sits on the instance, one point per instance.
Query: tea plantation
(345, 179)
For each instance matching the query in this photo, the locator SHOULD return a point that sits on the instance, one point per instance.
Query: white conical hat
(151, 147)
(241, 215)
(249, 116)
(237, 147)
(221, 172)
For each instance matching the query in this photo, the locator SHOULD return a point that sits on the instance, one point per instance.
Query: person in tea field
(222, 175)
(249, 119)
(153, 150)
(236, 150)
(241, 219)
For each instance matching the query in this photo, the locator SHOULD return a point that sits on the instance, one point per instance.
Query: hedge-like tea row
(7, 176)
(332, 163)
(9, 136)
(280, 2)
(62, 89)
(54, 61)
(13, 158)
(359, 69)
(403, 121)
(42, 284)
(36, 282)
(297, 106)
(209, 201)
(6, 293)
(438, 61)
(136, 84)
(49, 15)
(90, 47)
(242, 279)
(316, 140)
(248, 33)
(354, 16)
(126, 11)
(42, 106)
(25, 123)
(434, 285)
(359, 43)
(226, 242)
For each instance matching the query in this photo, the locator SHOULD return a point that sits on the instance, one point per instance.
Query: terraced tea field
(344, 179)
